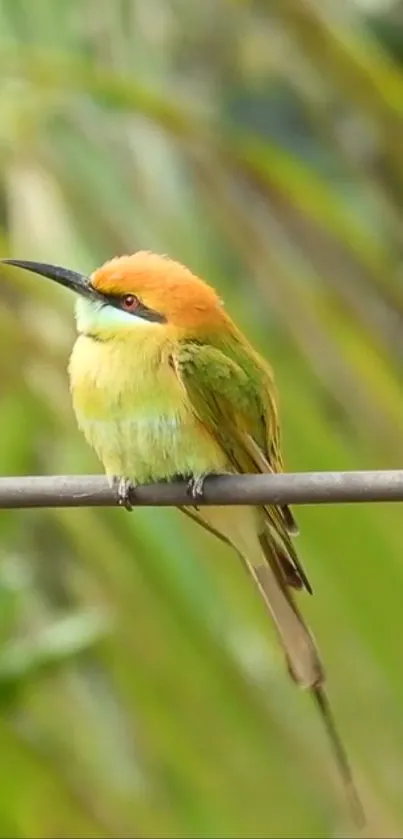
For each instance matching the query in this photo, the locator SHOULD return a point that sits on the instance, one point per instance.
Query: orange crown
(163, 285)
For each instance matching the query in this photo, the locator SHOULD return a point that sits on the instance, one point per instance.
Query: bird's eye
(129, 302)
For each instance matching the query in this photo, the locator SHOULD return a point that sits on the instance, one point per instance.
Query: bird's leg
(195, 487)
(124, 489)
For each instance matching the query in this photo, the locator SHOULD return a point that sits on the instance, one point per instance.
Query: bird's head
(134, 292)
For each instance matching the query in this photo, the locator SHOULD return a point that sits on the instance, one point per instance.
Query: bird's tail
(300, 649)
(273, 565)
(322, 702)
(302, 656)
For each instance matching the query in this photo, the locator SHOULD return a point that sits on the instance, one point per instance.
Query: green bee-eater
(164, 385)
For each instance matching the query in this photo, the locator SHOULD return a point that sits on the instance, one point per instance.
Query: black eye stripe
(140, 311)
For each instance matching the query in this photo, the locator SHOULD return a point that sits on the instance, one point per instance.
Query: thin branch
(291, 488)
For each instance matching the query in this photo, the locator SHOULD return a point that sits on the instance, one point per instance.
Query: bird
(164, 385)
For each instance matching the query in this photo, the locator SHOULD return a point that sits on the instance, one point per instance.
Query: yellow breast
(135, 412)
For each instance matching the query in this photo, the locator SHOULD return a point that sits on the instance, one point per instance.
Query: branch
(291, 488)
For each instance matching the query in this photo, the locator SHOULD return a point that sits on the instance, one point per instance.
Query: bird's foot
(124, 490)
(195, 487)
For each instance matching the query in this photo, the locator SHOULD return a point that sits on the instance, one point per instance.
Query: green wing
(233, 396)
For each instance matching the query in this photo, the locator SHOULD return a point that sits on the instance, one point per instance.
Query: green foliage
(141, 688)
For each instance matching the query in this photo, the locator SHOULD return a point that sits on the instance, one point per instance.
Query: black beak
(71, 279)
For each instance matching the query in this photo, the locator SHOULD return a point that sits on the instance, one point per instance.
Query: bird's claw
(195, 487)
(124, 491)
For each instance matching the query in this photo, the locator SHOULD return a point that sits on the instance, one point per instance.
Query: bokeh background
(142, 690)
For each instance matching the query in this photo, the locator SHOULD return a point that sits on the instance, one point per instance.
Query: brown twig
(289, 488)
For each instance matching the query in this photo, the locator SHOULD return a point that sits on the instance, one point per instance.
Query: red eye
(129, 302)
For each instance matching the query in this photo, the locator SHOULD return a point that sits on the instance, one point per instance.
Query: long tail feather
(340, 754)
(263, 556)
(302, 656)
(305, 668)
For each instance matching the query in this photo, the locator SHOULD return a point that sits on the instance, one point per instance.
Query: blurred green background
(142, 689)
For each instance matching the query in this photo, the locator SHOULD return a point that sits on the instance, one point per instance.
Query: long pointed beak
(71, 279)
